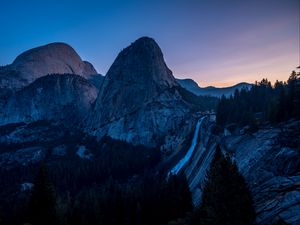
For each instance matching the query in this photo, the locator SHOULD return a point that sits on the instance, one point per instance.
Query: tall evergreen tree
(42, 204)
(178, 196)
(294, 92)
(1, 219)
(279, 112)
(280, 222)
(226, 198)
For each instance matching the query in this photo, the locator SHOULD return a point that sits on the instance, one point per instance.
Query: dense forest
(147, 200)
(119, 186)
(262, 103)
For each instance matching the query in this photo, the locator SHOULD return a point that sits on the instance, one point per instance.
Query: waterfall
(190, 152)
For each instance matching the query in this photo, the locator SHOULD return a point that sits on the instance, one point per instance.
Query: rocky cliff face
(53, 97)
(138, 101)
(195, 171)
(269, 160)
(54, 58)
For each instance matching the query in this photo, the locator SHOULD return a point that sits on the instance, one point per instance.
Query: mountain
(54, 58)
(138, 100)
(193, 87)
(96, 80)
(53, 97)
(188, 84)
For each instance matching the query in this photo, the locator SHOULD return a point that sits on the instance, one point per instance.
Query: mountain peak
(53, 58)
(136, 92)
(48, 50)
(146, 43)
(145, 39)
(142, 62)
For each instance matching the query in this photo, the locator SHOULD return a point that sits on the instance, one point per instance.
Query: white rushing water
(189, 153)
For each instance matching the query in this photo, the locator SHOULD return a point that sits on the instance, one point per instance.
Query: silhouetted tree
(42, 203)
(294, 93)
(178, 197)
(226, 198)
(1, 220)
(280, 222)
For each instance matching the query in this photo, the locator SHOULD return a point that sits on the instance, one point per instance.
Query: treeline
(139, 196)
(263, 102)
(3, 66)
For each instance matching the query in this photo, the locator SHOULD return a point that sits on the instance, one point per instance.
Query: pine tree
(280, 222)
(226, 198)
(42, 204)
(178, 196)
(296, 100)
(1, 219)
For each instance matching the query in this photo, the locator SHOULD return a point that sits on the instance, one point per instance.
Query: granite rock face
(52, 97)
(200, 161)
(270, 161)
(54, 58)
(138, 101)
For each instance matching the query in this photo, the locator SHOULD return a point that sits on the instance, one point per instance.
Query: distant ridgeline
(262, 103)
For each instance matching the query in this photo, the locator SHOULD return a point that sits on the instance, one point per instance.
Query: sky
(214, 42)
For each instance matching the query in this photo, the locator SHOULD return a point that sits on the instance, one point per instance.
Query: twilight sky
(214, 42)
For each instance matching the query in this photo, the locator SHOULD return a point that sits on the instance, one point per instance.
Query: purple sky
(214, 42)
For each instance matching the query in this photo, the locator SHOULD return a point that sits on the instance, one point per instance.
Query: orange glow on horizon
(241, 79)
(217, 84)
